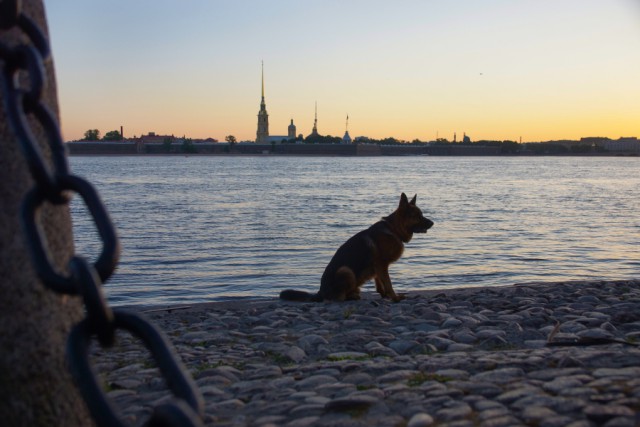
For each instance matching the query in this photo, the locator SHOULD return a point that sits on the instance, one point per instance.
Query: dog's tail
(302, 296)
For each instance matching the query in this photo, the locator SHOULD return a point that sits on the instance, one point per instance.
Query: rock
(396, 376)
(350, 403)
(303, 422)
(420, 420)
(559, 384)
(226, 406)
(451, 322)
(489, 333)
(295, 353)
(499, 376)
(464, 337)
(402, 346)
(459, 411)
(595, 333)
(631, 372)
(440, 343)
(309, 343)
(516, 394)
(314, 381)
(603, 413)
(533, 414)
(426, 327)
(459, 347)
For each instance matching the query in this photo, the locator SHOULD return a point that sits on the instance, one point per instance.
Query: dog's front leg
(380, 288)
(385, 281)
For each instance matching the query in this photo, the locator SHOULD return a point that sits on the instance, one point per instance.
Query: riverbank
(544, 354)
(128, 148)
(349, 150)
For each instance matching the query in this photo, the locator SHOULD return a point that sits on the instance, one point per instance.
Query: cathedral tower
(314, 131)
(291, 131)
(263, 118)
(346, 139)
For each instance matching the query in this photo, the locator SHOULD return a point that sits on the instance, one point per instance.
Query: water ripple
(198, 229)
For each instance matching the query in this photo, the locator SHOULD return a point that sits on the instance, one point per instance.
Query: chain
(54, 184)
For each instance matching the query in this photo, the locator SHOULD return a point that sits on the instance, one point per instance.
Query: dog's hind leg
(345, 285)
(353, 294)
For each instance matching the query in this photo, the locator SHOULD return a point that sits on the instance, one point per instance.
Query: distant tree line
(94, 135)
(506, 146)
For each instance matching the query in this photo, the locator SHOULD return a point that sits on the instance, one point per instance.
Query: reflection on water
(197, 229)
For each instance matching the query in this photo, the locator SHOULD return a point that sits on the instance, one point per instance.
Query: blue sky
(495, 69)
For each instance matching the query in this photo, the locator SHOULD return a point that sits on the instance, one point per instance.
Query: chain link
(54, 184)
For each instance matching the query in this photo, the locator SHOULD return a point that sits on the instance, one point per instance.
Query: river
(209, 228)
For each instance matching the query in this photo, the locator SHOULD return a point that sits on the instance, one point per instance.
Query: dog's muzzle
(424, 225)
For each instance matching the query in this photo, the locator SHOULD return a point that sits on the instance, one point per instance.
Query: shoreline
(617, 155)
(455, 357)
(318, 150)
(367, 295)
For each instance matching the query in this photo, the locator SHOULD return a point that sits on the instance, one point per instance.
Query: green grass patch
(348, 312)
(333, 358)
(422, 377)
(205, 366)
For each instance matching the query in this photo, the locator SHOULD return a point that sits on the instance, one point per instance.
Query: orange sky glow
(493, 69)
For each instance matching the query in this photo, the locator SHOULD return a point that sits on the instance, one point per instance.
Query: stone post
(36, 388)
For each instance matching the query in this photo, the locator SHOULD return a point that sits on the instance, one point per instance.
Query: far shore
(198, 149)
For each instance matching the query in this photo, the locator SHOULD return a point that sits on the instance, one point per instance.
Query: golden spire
(315, 120)
(262, 79)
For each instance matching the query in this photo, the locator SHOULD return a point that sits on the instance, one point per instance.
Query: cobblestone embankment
(468, 357)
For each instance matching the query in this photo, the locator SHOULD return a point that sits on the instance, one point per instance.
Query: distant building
(262, 133)
(292, 130)
(152, 138)
(346, 139)
(622, 144)
(631, 145)
(276, 138)
(314, 132)
(263, 118)
(594, 140)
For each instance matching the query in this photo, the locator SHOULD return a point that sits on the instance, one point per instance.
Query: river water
(196, 229)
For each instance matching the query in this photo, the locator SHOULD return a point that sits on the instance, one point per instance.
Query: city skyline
(536, 70)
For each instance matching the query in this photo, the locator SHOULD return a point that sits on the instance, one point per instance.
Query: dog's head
(411, 216)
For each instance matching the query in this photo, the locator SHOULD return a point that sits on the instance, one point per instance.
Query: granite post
(36, 388)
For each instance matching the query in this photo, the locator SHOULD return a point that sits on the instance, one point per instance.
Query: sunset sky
(495, 69)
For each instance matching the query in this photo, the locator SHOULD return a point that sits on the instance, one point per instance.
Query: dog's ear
(403, 200)
(413, 201)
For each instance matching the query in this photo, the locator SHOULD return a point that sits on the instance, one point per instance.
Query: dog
(367, 255)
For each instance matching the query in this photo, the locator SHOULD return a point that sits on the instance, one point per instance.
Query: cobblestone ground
(544, 354)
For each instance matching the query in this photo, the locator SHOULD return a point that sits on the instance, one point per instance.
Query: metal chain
(24, 101)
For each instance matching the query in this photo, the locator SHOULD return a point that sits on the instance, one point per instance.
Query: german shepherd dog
(367, 255)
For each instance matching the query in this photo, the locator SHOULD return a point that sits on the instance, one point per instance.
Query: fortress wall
(129, 148)
(101, 148)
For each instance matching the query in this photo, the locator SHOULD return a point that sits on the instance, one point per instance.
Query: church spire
(262, 134)
(315, 121)
(314, 131)
(262, 81)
